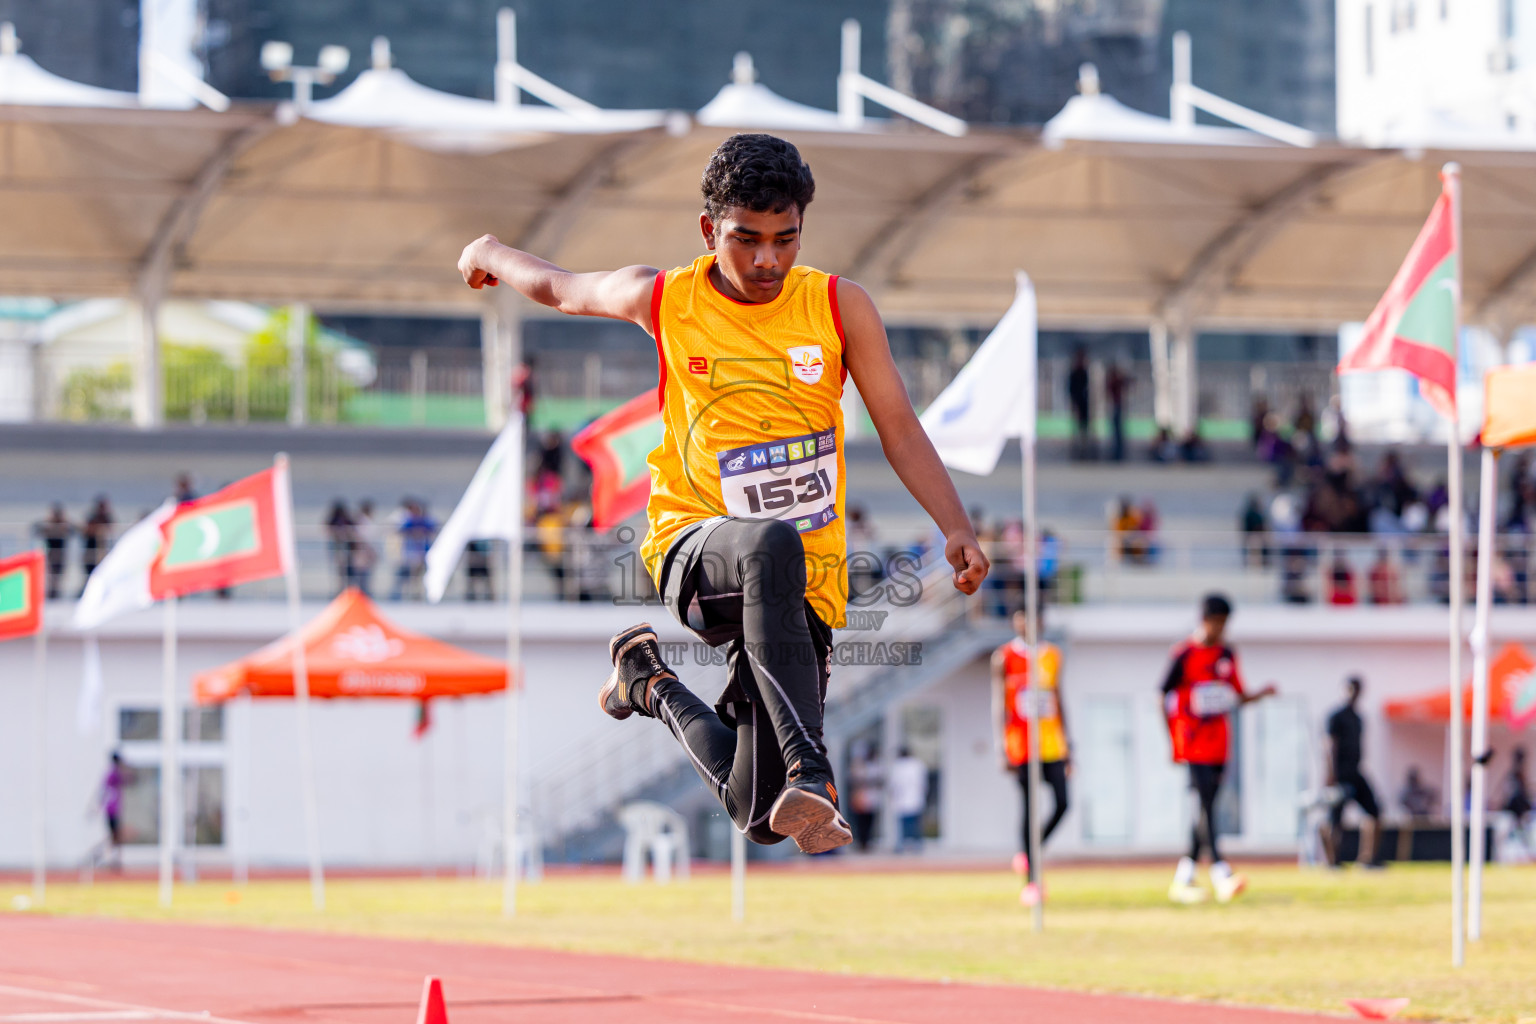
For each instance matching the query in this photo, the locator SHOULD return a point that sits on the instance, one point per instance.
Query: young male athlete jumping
(1201, 689)
(746, 542)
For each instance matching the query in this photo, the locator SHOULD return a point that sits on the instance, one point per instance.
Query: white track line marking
(147, 1012)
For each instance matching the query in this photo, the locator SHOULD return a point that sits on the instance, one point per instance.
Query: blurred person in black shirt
(1345, 734)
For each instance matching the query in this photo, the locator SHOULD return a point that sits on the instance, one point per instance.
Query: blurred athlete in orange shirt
(1010, 704)
(1202, 688)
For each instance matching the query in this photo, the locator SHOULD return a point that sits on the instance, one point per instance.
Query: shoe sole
(811, 821)
(609, 685)
(1190, 900)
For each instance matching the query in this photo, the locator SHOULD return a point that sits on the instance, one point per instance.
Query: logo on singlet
(806, 362)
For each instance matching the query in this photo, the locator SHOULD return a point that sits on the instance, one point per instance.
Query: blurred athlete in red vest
(1202, 688)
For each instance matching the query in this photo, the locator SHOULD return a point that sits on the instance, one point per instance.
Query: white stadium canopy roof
(1121, 218)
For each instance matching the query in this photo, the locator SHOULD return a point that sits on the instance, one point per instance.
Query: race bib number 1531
(793, 479)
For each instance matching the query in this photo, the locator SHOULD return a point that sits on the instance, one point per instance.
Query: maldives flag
(21, 595)
(237, 535)
(1414, 325)
(616, 445)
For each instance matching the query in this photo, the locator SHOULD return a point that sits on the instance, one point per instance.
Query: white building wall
(1425, 71)
(1127, 798)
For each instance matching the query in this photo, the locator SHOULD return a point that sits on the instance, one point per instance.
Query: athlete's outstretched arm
(618, 294)
(867, 354)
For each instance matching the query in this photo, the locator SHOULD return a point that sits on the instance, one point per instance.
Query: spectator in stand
(55, 532)
(340, 539)
(1520, 494)
(549, 478)
(1341, 581)
(95, 537)
(1078, 395)
(1049, 564)
(1417, 799)
(365, 546)
(1255, 534)
(1126, 523)
(1163, 448)
(524, 388)
(1258, 421)
(416, 532)
(1117, 384)
(1193, 448)
(1274, 449)
(1335, 426)
(1304, 420)
(477, 571)
(184, 490)
(1384, 584)
(1147, 523)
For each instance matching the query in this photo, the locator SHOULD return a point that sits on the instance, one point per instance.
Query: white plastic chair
(657, 830)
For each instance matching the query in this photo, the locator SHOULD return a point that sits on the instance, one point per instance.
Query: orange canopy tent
(353, 651)
(1511, 694)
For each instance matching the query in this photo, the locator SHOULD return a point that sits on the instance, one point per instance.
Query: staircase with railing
(914, 634)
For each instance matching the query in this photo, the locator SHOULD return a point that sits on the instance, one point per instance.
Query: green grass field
(1302, 940)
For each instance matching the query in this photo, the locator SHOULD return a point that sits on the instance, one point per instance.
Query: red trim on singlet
(661, 357)
(837, 322)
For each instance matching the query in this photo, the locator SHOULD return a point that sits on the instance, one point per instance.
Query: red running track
(91, 971)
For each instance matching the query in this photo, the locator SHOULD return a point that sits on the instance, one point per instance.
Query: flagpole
(1451, 174)
(509, 841)
(738, 874)
(1486, 539)
(1032, 640)
(40, 782)
(170, 760)
(301, 695)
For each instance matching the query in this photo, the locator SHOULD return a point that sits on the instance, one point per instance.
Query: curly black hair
(756, 172)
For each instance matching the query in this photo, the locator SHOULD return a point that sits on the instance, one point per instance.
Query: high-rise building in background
(989, 61)
(1418, 72)
(1016, 61)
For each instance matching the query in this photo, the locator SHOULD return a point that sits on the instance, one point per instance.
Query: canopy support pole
(1184, 383)
(493, 373)
(40, 753)
(511, 329)
(1488, 498)
(148, 398)
(1162, 376)
(170, 760)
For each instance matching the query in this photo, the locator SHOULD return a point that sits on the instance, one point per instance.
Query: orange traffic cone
(433, 1009)
(1377, 1009)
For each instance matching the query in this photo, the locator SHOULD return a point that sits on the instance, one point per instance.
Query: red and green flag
(239, 534)
(1413, 327)
(616, 446)
(21, 595)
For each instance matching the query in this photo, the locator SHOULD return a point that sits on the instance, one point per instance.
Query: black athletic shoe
(807, 812)
(636, 659)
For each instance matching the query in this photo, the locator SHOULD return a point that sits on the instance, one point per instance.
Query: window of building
(202, 756)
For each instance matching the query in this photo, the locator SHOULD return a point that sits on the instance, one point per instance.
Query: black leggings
(1053, 774)
(1205, 782)
(741, 583)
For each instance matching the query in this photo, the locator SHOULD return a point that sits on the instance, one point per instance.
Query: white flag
(491, 508)
(993, 396)
(120, 582)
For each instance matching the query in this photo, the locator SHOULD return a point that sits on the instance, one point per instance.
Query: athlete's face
(754, 250)
(1215, 628)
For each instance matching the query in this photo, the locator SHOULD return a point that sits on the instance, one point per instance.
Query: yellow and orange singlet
(752, 418)
(1053, 738)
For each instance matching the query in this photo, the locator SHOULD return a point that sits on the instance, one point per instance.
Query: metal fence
(1080, 566)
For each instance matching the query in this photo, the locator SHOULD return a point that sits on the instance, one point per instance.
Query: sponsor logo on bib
(806, 361)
